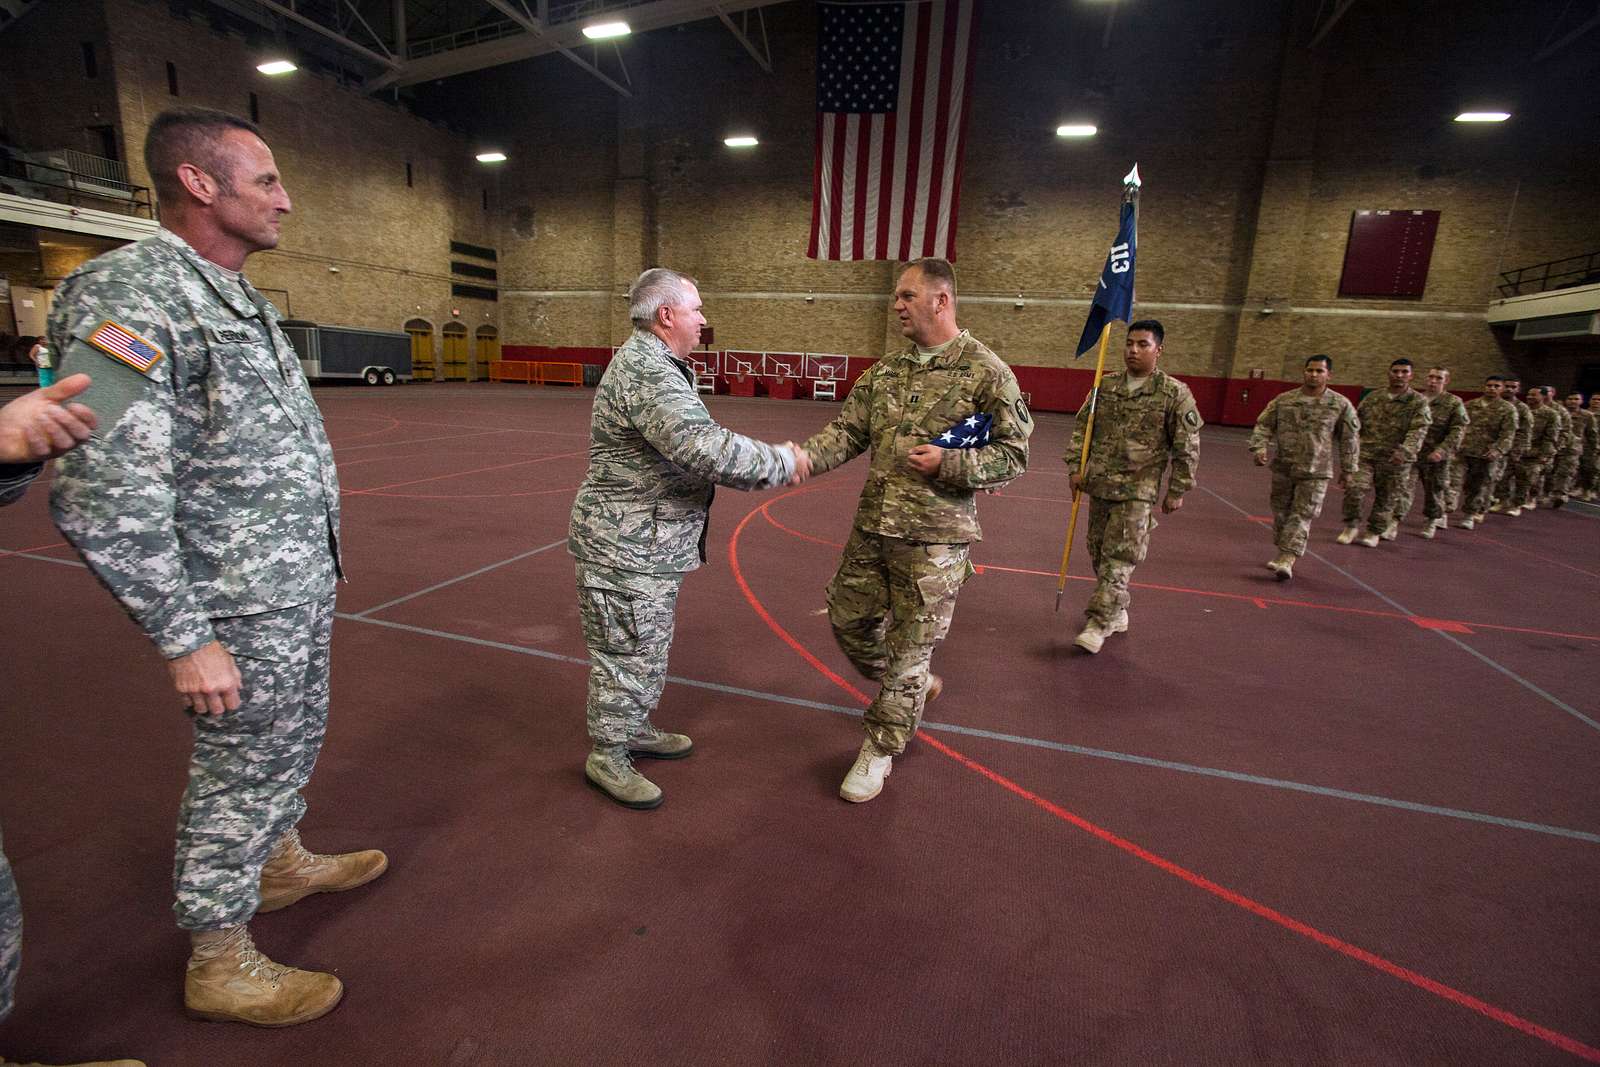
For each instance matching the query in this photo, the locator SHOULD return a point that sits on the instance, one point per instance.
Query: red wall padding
(1222, 401)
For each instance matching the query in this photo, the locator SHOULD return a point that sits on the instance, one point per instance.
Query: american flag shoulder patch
(125, 346)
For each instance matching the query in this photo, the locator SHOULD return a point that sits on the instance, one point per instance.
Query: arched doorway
(456, 358)
(486, 349)
(421, 331)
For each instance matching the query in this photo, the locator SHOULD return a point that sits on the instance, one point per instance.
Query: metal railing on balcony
(73, 177)
(1556, 274)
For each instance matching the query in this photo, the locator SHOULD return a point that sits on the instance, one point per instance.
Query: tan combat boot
(935, 687)
(866, 776)
(1282, 565)
(229, 980)
(292, 873)
(610, 770)
(1348, 534)
(1391, 531)
(658, 744)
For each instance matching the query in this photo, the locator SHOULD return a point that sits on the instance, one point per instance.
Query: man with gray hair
(639, 523)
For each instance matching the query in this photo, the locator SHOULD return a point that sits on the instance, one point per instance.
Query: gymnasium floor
(1353, 819)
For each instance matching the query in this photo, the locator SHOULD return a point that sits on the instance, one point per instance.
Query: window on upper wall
(255, 108)
(486, 199)
(172, 79)
(105, 138)
(91, 69)
(408, 174)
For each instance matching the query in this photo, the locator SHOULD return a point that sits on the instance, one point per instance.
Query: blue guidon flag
(970, 432)
(1113, 297)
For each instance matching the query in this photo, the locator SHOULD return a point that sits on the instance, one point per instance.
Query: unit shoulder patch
(1191, 419)
(125, 346)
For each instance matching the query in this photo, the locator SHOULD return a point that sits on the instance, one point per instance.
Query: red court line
(1453, 625)
(1239, 900)
(35, 548)
(1535, 555)
(469, 496)
(394, 424)
(462, 474)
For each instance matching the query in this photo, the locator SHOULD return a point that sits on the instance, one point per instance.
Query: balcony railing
(1556, 274)
(73, 177)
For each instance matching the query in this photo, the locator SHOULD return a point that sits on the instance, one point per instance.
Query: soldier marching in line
(639, 524)
(1312, 428)
(1447, 415)
(1392, 427)
(894, 593)
(1543, 442)
(1144, 419)
(1569, 448)
(208, 504)
(1491, 431)
(1589, 465)
(1514, 482)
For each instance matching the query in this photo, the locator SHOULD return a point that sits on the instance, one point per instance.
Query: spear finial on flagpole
(1113, 302)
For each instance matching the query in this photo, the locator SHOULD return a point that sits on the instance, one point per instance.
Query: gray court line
(1489, 661)
(452, 581)
(1030, 742)
(49, 559)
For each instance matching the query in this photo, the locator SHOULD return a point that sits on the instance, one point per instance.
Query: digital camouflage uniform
(1388, 424)
(1484, 447)
(1312, 434)
(639, 522)
(1447, 415)
(1537, 462)
(1589, 464)
(894, 593)
(1135, 435)
(1569, 450)
(208, 504)
(14, 479)
(1513, 486)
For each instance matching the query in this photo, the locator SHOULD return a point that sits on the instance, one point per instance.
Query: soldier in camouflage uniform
(1448, 422)
(1569, 449)
(208, 505)
(1313, 429)
(1491, 429)
(894, 593)
(639, 524)
(1508, 495)
(1392, 427)
(33, 428)
(1142, 419)
(1543, 443)
(1589, 465)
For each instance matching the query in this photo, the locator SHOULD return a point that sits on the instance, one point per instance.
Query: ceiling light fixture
(491, 157)
(1077, 129)
(741, 141)
(1483, 116)
(275, 67)
(604, 31)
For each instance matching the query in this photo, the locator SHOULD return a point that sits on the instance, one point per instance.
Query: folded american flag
(970, 432)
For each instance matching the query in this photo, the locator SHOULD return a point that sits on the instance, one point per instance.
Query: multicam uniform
(1513, 485)
(1541, 455)
(894, 593)
(1135, 434)
(1389, 424)
(1448, 421)
(639, 523)
(208, 504)
(1491, 430)
(1589, 464)
(1310, 432)
(1569, 450)
(14, 479)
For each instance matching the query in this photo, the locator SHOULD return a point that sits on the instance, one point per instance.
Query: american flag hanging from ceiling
(892, 100)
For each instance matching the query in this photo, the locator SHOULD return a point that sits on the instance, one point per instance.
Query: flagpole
(1083, 463)
(1130, 194)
